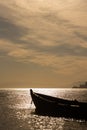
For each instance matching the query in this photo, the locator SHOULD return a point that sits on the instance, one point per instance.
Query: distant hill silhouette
(81, 85)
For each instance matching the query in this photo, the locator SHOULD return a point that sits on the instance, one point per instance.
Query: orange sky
(43, 43)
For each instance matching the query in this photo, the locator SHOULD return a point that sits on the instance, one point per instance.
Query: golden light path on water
(22, 99)
(26, 101)
(38, 121)
(18, 101)
(25, 108)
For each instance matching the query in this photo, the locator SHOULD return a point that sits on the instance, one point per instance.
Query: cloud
(53, 29)
(11, 31)
(68, 50)
(45, 33)
(55, 33)
(59, 64)
(81, 35)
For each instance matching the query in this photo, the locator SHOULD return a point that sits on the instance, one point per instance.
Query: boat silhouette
(57, 107)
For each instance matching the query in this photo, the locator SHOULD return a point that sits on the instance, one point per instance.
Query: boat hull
(44, 106)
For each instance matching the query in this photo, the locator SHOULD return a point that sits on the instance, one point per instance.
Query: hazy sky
(43, 43)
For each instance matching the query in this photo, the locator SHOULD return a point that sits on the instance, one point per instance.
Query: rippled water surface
(17, 112)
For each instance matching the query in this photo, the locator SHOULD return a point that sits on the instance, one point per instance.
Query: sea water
(17, 110)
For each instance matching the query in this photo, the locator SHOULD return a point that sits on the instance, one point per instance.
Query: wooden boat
(57, 107)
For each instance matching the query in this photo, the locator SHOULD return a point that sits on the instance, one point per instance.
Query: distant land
(81, 85)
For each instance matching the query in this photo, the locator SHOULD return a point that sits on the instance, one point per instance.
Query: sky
(43, 43)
